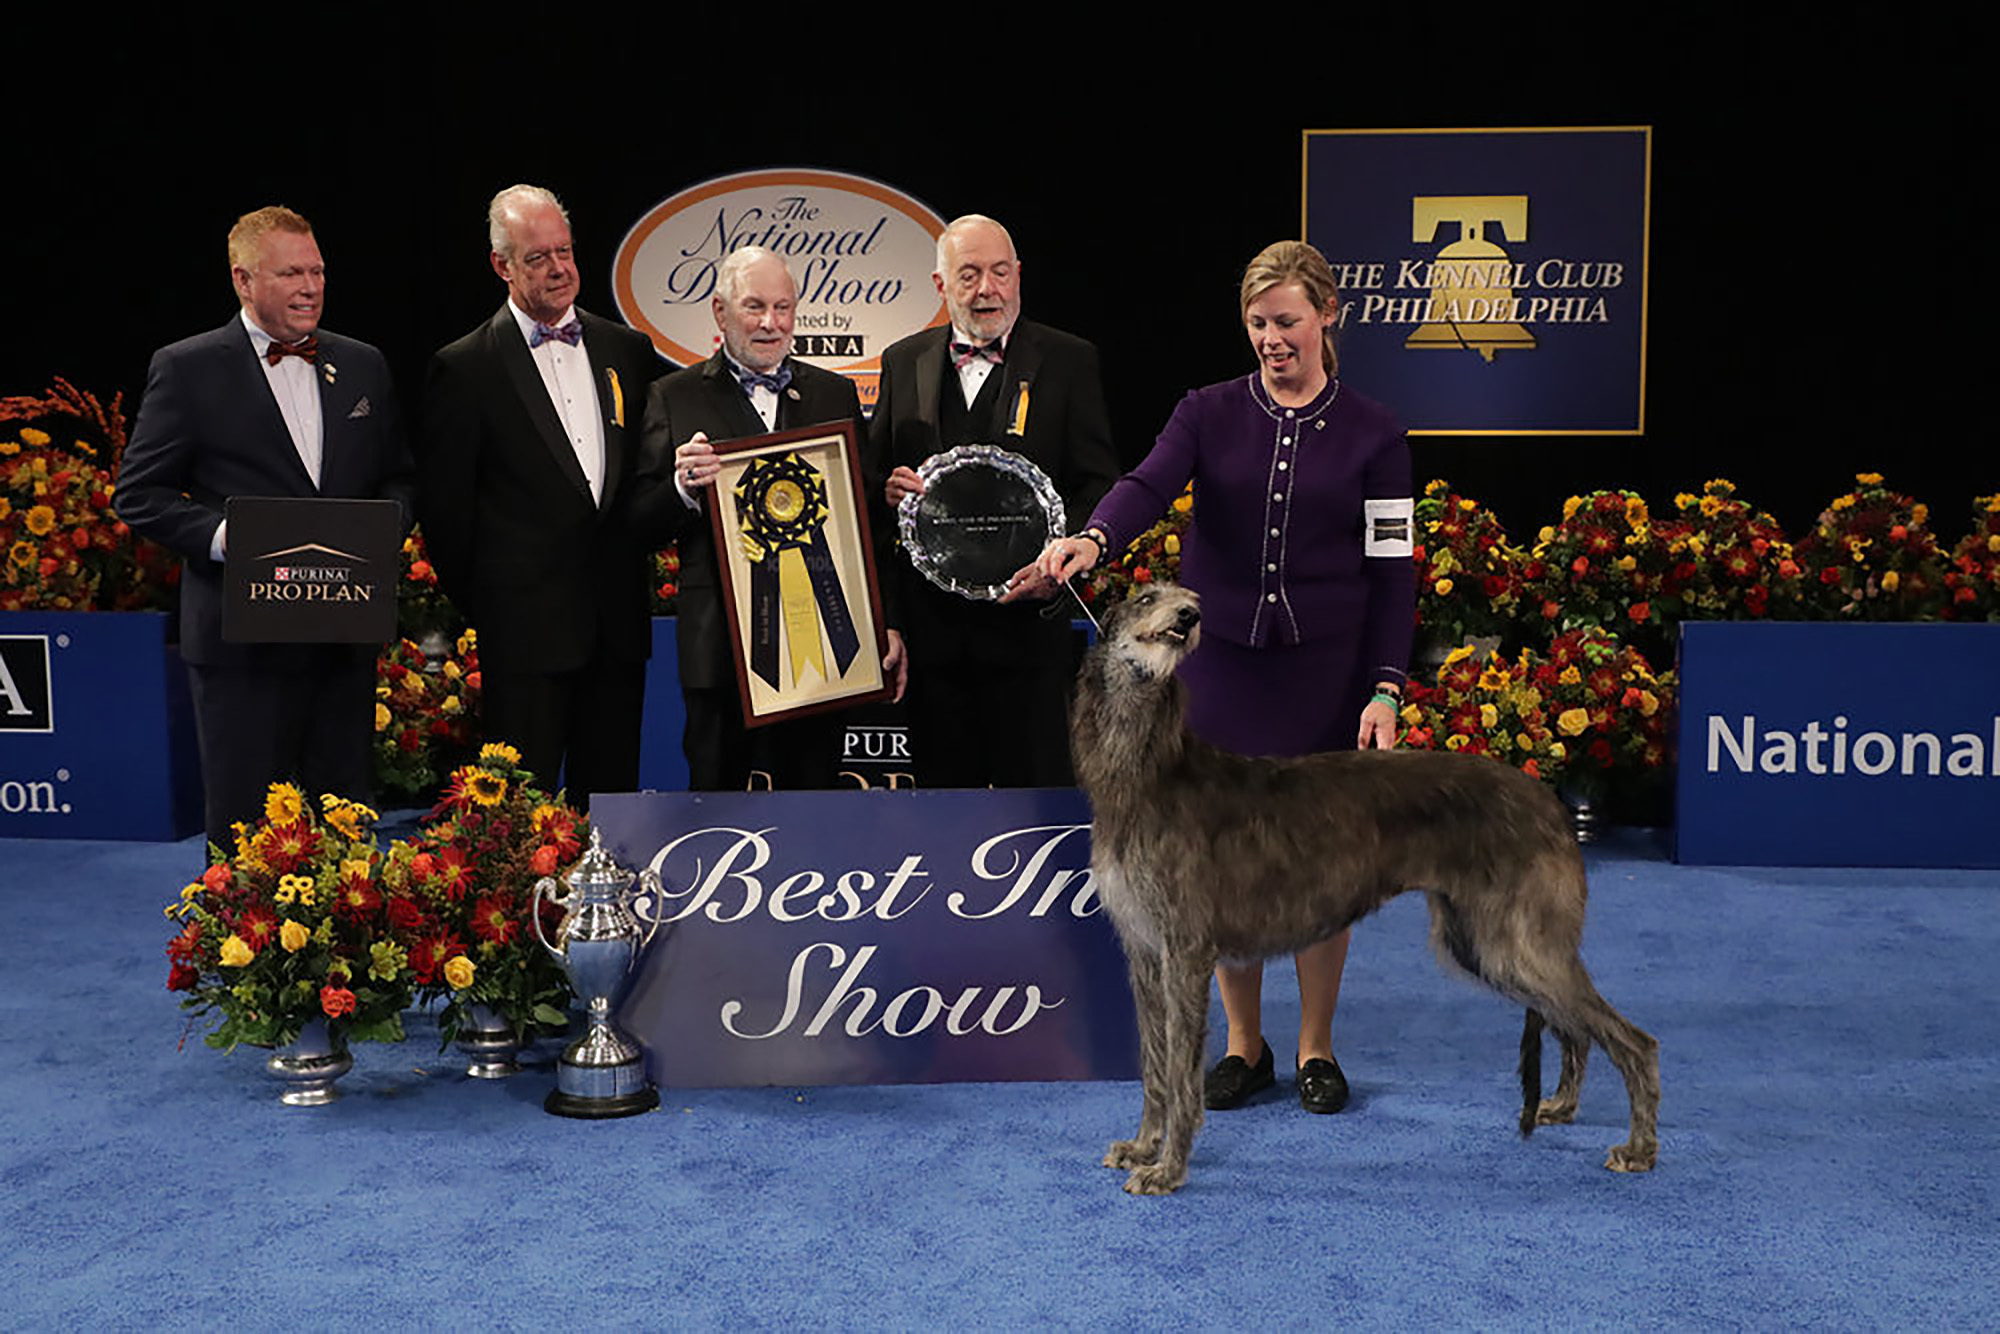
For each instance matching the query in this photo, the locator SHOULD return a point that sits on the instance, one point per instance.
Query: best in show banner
(1839, 745)
(861, 252)
(1493, 281)
(872, 938)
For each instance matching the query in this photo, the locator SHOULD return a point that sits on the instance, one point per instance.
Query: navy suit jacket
(210, 429)
(551, 579)
(707, 398)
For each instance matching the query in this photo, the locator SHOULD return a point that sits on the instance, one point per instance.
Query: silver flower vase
(489, 1044)
(307, 1067)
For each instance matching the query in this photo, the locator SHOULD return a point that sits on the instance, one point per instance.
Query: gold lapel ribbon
(617, 398)
(794, 587)
(1018, 423)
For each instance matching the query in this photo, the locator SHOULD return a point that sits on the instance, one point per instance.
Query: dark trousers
(310, 724)
(800, 754)
(981, 725)
(579, 729)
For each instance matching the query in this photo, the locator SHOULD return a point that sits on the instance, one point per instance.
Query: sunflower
(22, 554)
(499, 750)
(486, 787)
(283, 803)
(41, 520)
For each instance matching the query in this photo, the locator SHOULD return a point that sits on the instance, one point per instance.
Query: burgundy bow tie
(961, 353)
(306, 348)
(570, 333)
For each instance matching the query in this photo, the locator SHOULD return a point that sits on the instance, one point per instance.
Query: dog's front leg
(1143, 965)
(1184, 1004)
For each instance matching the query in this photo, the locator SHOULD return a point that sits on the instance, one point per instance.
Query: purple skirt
(1291, 699)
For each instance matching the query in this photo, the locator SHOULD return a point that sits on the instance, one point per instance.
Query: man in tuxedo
(989, 694)
(529, 447)
(751, 386)
(270, 404)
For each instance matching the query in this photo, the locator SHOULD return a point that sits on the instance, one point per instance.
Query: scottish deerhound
(1201, 855)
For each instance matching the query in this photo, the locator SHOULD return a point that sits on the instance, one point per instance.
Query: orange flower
(336, 1001)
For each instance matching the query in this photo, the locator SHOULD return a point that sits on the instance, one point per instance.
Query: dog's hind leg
(1588, 1015)
(1561, 1108)
(1531, 1071)
(1184, 1007)
(1143, 967)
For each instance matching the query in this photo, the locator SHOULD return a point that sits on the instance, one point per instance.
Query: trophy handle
(649, 883)
(545, 886)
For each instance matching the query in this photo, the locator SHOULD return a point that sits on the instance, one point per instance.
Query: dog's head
(1154, 628)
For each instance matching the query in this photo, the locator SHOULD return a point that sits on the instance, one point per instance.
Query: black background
(1818, 265)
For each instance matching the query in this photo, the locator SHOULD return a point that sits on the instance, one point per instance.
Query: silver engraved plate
(985, 512)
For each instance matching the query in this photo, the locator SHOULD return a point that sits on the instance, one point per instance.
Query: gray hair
(960, 224)
(511, 203)
(729, 274)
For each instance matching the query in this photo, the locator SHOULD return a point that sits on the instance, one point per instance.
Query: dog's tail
(1531, 1070)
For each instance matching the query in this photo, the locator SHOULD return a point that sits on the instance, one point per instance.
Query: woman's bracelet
(1092, 535)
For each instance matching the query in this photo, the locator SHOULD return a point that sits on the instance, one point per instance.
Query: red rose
(1551, 610)
(1639, 611)
(1580, 566)
(182, 978)
(472, 679)
(421, 570)
(1600, 750)
(1830, 575)
(409, 740)
(1494, 585)
(336, 1001)
(545, 860)
(1142, 575)
(423, 865)
(217, 876)
(403, 914)
(80, 539)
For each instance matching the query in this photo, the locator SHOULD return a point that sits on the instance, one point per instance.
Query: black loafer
(1234, 1079)
(1322, 1088)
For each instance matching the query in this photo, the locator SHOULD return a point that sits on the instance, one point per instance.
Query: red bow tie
(307, 347)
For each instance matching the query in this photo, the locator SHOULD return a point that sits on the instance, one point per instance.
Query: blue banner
(1839, 745)
(96, 734)
(1492, 281)
(872, 937)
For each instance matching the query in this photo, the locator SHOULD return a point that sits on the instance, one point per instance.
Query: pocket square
(361, 409)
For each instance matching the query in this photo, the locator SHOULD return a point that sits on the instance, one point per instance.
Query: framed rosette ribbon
(798, 572)
(985, 512)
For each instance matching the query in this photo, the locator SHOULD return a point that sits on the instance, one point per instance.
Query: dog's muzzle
(1184, 623)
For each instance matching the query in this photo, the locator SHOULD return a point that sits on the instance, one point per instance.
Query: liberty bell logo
(1471, 280)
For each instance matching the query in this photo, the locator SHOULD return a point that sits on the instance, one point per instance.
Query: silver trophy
(603, 1073)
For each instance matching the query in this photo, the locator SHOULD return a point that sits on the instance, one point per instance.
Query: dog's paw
(1129, 1153)
(1155, 1179)
(1632, 1158)
(1555, 1112)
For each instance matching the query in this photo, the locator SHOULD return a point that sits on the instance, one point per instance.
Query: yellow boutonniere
(617, 397)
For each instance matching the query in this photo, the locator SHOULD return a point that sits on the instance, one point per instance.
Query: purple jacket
(1276, 549)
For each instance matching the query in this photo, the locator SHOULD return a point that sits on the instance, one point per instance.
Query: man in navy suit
(270, 404)
(751, 386)
(990, 683)
(530, 443)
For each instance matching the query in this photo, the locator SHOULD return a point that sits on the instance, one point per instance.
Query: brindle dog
(1201, 855)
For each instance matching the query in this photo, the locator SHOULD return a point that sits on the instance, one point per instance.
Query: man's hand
(696, 463)
(902, 482)
(896, 664)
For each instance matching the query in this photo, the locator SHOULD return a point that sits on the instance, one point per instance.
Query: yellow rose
(1172, 544)
(236, 954)
(1628, 563)
(1443, 586)
(1468, 505)
(1457, 741)
(1993, 542)
(1557, 750)
(458, 972)
(293, 936)
(1649, 704)
(381, 717)
(1889, 581)
(1868, 478)
(1546, 536)
(450, 670)
(1489, 716)
(1571, 722)
(451, 705)
(1184, 503)
(1412, 715)
(1918, 513)
(1571, 506)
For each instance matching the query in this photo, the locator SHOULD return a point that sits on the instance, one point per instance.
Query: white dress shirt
(565, 372)
(972, 375)
(295, 389)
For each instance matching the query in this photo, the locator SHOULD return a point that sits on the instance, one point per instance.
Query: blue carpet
(1829, 1151)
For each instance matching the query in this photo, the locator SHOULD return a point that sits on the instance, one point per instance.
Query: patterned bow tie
(570, 333)
(961, 353)
(306, 348)
(775, 381)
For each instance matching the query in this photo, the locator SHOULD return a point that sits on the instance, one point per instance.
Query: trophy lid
(597, 868)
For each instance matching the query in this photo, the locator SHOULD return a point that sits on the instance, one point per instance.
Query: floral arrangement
(667, 580)
(461, 893)
(1154, 554)
(1972, 583)
(426, 714)
(61, 546)
(1728, 561)
(422, 609)
(1603, 565)
(1588, 709)
(292, 928)
(1468, 573)
(1872, 557)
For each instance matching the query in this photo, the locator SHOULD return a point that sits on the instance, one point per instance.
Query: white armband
(1387, 525)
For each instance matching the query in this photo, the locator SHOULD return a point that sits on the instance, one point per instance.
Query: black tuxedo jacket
(209, 429)
(1067, 433)
(707, 398)
(550, 578)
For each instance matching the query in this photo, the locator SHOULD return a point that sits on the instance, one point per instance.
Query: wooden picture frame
(792, 544)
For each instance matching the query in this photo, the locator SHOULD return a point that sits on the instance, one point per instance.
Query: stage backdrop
(1839, 745)
(1493, 281)
(872, 937)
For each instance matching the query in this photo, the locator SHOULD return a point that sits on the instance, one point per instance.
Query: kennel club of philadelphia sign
(1493, 282)
(871, 937)
(861, 252)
